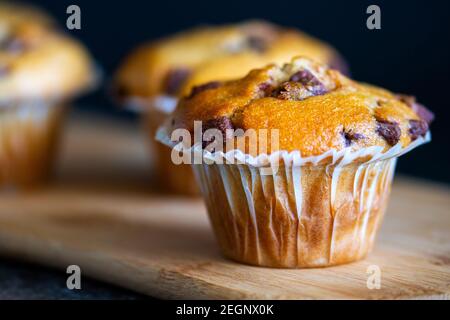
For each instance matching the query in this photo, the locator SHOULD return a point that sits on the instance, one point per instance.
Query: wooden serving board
(101, 214)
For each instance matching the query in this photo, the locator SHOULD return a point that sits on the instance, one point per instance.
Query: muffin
(15, 14)
(154, 76)
(312, 190)
(40, 70)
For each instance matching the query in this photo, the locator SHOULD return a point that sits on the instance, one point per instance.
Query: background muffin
(175, 64)
(40, 69)
(154, 75)
(15, 14)
(325, 196)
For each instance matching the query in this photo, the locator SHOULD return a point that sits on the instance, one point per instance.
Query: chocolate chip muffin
(13, 14)
(40, 69)
(173, 65)
(156, 74)
(316, 194)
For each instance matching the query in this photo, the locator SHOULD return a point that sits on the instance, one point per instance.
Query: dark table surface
(20, 280)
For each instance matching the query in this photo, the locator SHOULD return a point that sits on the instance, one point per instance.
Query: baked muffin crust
(37, 61)
(19, 14)
(315, 109)
(175, 64)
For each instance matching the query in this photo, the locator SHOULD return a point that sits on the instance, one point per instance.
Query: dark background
(410, 54)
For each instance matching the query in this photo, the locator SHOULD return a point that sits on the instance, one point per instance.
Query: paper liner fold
(294, 158)
(304, 213)
(162, 103)
(300, 217)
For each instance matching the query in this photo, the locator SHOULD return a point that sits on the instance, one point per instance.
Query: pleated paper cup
(299, 217)
(286, 211)
(175, 179)
(28, 139)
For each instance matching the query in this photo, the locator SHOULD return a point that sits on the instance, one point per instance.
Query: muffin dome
(172, 66)
(315, 109)
(14, 14)
(36, 61)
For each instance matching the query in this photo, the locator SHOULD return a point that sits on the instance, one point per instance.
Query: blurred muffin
(40, 70)
(318, 198)
(155, 75)
(13, 14)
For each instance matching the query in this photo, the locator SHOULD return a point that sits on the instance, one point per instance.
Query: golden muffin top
(172, 66)
(14, 14)
(37, 61)
(314, 108)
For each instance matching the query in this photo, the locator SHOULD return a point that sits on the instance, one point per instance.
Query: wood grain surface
(103, 214)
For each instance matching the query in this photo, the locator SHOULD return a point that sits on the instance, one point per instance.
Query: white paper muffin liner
(337, 158)
(28, 135)
(162, 103)
(302, 213)
(29, 131)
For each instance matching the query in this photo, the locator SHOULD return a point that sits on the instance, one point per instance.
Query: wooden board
(100, 214)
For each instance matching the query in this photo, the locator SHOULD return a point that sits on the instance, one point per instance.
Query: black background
(410, 54)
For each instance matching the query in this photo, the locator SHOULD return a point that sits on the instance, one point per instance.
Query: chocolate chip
(264, 89)
(119, 92)
(423, 113)
(210, 85)
(4, 70)
(417, 128)
(380, 102)
(390, 131)
(418, 108)
(295, 91)
(175, 79)
(221, 124)
(257, 43)
(313, 84)
(13, 45)
(350, 136)
(259, 36)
